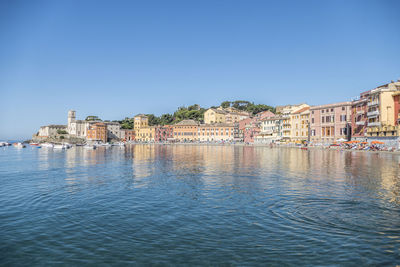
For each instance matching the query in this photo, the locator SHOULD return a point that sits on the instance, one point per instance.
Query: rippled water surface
(198, 205)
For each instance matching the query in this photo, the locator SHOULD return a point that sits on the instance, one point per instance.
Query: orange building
(129, 135)
(185, 130)
(215, 132)
(97, 132)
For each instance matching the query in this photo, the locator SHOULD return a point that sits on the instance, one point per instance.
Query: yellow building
(381, 111)
(300, 124)
(140, 121)
(213, 115)
(185, 130)
(287, 123)
(145, 134)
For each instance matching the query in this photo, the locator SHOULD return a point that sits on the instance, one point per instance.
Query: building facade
(129, 134)
(270, 130)
(383, 110)
(329, 123)
(163, 133)
(97, 132)
(50, 130)
(215, 132)
(359, 119)
(300, 124)
(185, 131)
(213, 115)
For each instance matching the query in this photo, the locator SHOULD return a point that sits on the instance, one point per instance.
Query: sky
(115, 59)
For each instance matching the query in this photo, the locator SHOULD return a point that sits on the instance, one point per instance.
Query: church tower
(71, 117)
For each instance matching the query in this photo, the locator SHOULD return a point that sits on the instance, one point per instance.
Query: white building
(270, 130)
(51, 130)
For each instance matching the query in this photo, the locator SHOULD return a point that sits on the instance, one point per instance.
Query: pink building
(330, 123)
(163, 133)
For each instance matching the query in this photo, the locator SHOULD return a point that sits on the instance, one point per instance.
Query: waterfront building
(213, 115)
(163, 133)
(97, 132)
(215, 132)
(300, 124)
(383, 111)
(186, 130)
(264, 114)
(145, 134)
(286, 112)
(241, 126)
(251, 130)
(114, 130)
(140, 121)
(359, 120)
(129, 134)
(270, 130)
(330, 122)
(50, 130)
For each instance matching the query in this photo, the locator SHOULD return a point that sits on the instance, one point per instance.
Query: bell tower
(71, 117)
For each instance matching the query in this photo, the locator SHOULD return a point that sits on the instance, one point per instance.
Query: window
(323, 119)
(331, 109)
(312, 112)
(322, 111)
(343, 108)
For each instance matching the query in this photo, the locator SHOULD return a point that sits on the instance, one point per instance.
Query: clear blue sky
(115, 59)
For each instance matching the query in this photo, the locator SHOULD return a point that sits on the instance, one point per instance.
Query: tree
(59, 131)
(92, 118)
(153, 120)
(226, 104)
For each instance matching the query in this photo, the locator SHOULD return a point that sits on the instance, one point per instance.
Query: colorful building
(359, 119)
(213, 115)
(140, 121)
(145, 134)
(270, 130)
(330, 123)
(186, 131)
(129, 134)
(163, 133)
(300, 124)
(97, 132)
(215, 132)
(383, 110)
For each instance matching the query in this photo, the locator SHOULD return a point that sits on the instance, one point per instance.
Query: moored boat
(48, 145)
(59, 147)
(19, 145)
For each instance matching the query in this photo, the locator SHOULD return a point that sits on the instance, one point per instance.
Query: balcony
(360, 123)
(360, 112)
(374, 124)
(373, 103)
(373, 113)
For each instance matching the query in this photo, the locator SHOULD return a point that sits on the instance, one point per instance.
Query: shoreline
(277, 146)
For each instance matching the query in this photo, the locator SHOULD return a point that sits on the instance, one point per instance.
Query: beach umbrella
(377, 142)
(364, 143)
(341, 140)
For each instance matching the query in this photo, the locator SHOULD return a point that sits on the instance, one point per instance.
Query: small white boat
(48, 145)
(89, 146)
(19, 145)
(59, 147)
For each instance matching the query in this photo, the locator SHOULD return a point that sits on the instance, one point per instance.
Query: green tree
(226, 104)
(92, 118)
(59, 131)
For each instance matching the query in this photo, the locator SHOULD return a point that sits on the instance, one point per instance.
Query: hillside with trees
(195, 112)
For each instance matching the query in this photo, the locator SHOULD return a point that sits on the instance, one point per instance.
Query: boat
(89, 146)
(48, 145)
(59, 147)
(34, 144)
(19, 145)
(304, 148)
